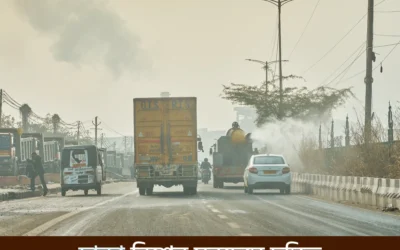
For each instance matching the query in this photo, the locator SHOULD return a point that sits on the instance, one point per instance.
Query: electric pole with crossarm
(279, 4)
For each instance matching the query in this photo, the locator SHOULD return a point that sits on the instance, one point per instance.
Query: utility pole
(279, 4)
(266, 65)
(266, 78)
(96, 124)
(347, 132)
(115, 145)
(1, 107)
(101, 140)
(78, 132)
(368, 78)
(125, 141)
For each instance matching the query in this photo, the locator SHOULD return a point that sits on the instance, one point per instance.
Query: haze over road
(120, 211)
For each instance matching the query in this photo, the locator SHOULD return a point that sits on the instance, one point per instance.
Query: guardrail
(377, 192)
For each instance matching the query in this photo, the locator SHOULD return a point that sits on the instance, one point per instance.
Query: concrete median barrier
(21, 191)
(6, 181)
(376, 192)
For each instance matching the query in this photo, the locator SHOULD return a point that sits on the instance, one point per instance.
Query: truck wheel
(99, 190)
(245, 190)
(142, 191)
(86, 192)
(215, 182)
(149, 191)
(186, 190)
(221, 184)
(194, 190)
(250, 190)
(63, 192)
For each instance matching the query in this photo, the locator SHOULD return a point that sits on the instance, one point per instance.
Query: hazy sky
(86, 58)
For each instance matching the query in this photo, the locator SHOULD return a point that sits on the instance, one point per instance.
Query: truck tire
(142, 190)
(190, 190)
(63, 192)
(149, 191)
(221, 184)
(86, 192)
(194, 190)
(215, 182)
(99, 190)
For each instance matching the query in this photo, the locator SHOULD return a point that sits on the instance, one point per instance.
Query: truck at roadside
(166, 143)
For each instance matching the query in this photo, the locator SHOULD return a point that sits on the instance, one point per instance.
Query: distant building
(246, 116)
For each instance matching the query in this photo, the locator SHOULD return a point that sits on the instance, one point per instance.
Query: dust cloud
(284, 137)
(84, 32)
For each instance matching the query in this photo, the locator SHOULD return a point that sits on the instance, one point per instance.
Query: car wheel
(250, 190)
(245, 190)
(282, 190)
(287, 189)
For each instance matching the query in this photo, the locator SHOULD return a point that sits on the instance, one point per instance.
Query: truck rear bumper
(231, 179)
(167, 182)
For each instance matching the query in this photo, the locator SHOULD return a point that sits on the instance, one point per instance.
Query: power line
(387, 35)
(355, 52)
(305, 28)
(111, 129)
(274, 38)
(327, 53)
(359, 73)
(387, 11)
(380, 3)
(348, 68)
(387, 45)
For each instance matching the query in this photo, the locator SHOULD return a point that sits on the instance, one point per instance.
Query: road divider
(54, 188)
(377, 192)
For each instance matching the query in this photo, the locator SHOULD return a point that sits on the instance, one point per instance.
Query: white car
(267, 171)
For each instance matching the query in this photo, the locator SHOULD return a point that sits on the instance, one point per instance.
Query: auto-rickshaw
(82, 168)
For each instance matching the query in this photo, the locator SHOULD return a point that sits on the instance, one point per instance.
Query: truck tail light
(285, 170)
(253, 170)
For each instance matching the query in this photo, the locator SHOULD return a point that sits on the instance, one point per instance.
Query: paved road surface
(212, 212)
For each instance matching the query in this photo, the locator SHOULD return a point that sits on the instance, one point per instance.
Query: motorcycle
(205, 176)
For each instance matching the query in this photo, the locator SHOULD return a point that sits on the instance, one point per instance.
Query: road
(120, 211)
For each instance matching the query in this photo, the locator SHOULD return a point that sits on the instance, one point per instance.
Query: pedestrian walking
(38, 170)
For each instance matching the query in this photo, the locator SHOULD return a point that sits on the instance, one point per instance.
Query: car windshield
(268, 160)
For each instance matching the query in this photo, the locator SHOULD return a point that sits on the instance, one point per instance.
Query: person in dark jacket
(38, 171)
(205, 165)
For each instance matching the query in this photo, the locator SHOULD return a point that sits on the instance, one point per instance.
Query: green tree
(8, 121)
(298, 103)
